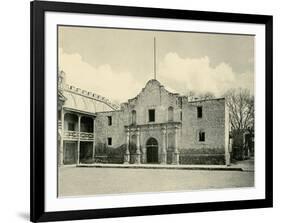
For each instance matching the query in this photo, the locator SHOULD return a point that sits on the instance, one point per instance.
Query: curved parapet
(83, 100)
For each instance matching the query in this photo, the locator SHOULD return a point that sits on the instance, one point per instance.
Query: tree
(206, 95)
(241, 109)
(192, 95)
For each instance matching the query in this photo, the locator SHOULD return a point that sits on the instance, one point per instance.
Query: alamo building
(154, 127)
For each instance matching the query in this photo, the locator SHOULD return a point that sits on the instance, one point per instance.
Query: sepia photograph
(148, 111)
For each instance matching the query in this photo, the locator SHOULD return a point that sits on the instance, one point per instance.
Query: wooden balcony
(86, 136)
(74, 135)
(71, 135)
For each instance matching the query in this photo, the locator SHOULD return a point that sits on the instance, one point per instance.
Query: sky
(117, 63)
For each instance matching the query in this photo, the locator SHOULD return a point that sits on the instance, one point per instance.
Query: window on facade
(170, 114)
(151, 115)
(199, 112)
(71, 126)
(134, 117)
(109, 141)
(109, 120)
(181, 115)
(201, 136)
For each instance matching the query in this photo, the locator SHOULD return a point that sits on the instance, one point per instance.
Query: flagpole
(154, 58)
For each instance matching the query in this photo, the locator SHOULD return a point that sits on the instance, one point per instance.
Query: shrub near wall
(116, 155)
(100, 153)
(207, 156)
(105, 154)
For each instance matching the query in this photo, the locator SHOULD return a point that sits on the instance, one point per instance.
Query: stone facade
(212, 122)
(115, 130)
(175, 126)
(156, 126)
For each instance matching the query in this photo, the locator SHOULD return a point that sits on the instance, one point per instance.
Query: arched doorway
(152, 150)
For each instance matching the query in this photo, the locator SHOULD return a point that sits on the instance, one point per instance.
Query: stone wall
(212, 123)
(116, 131)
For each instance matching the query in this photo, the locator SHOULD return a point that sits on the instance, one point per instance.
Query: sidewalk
(245, 165)
(159, 166)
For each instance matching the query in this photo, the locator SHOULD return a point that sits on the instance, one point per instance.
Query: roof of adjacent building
(206, 99)
(81, 100)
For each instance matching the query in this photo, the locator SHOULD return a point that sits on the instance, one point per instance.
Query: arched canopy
(70, 117)
(70, 122)
(152, 150)
(151, 142)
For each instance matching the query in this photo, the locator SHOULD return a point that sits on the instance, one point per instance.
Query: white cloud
(197, 75)
(175, 73)
(117, 86)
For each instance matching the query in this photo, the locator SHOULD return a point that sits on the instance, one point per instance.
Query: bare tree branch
(241, 108)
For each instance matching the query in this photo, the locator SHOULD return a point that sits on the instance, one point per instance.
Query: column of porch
(78, 142)
(61, 138)
(94, 140)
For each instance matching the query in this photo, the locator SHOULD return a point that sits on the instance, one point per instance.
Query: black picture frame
(37, 107)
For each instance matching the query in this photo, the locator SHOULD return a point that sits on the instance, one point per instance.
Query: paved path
(245, 165)
(164, 166)
(76, 181)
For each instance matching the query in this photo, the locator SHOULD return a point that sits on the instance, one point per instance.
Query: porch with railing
(75, 135)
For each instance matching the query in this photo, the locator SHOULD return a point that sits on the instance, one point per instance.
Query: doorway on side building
(152, 150)
(70, 152)
(86, 152)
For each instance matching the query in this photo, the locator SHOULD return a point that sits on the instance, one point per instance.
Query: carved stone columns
(127, 153)
(138, 152)
(176, 159)
(163, 155)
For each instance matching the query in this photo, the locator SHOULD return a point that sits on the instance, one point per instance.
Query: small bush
(214, 159)
(110, 155)
(100, 149)
(203, 151)
(101, 159)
